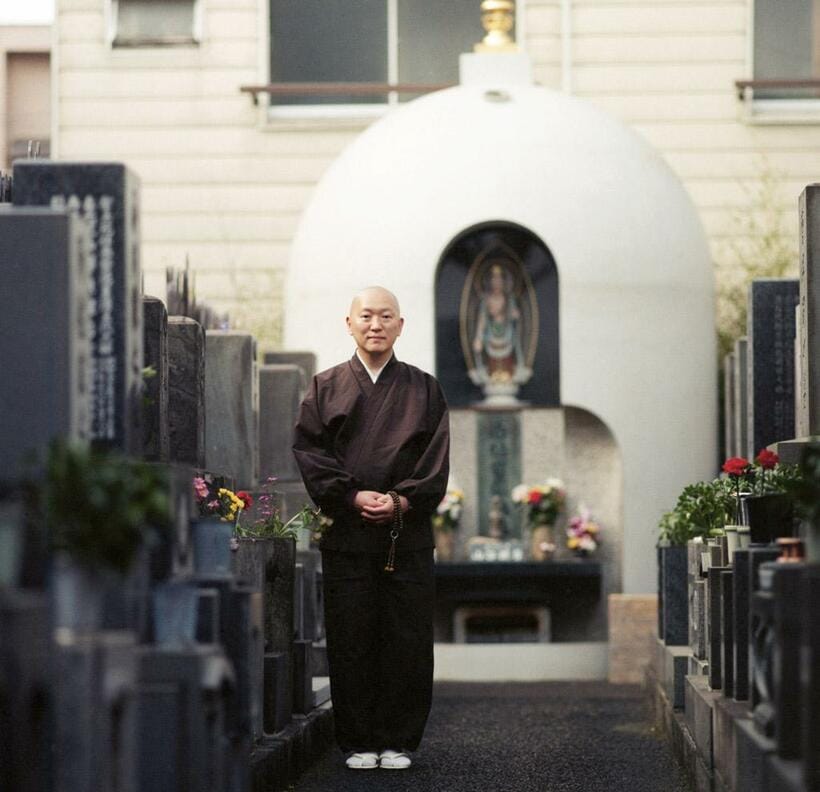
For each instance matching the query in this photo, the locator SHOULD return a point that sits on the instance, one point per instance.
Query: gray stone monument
(231, 396)
(808, 414)
(770, 396)
(186, 391)
(155, 440)
(106, 196)
(729, 441)
(280, 391)
(739, 382)
(305, 360)
(45, 353)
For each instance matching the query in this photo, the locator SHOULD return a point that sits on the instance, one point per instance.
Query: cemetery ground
(524, 737)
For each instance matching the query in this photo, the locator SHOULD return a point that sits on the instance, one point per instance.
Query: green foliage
(273, 526)
(805, 486)
(100, 507)
(760, 247)
(702, 510)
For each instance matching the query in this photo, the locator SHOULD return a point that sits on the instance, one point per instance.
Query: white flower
(520, 493)
(587, 543)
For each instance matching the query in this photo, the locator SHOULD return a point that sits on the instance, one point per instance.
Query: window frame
(356, 113)
(785, 111)
(194, 40)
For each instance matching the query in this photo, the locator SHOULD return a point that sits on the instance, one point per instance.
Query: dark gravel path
(541, 737)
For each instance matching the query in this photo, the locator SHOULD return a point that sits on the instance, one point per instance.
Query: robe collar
(363, 375)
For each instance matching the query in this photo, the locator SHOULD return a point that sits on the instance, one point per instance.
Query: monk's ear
(401, 325)
(349, 328)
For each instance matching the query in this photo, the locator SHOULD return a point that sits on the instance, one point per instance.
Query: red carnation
(534, 497)
(245, 497)
(736, 466)
(767, 459)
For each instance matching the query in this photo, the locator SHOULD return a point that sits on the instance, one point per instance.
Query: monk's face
(374, 321)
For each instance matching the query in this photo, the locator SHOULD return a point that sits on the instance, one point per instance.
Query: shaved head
(374, 294)
(375, 322)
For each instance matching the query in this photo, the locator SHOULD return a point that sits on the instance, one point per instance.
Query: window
(786, 47)
(371, 41)
(151, 23)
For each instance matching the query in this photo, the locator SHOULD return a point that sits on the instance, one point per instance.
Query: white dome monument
(635, 280)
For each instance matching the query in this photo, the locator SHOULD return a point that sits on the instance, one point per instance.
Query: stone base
(727, 713)
(698, 666)
(276, 762)
(699, 706)
(785, 775)
(673, 665)
(632, 623)
(753, 752)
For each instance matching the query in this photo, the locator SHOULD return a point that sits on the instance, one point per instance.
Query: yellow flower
(572, 542)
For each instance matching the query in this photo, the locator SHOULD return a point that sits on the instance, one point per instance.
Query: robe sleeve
(328, 484)
(427, 484)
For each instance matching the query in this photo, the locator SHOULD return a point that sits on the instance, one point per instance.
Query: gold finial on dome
(497, 17)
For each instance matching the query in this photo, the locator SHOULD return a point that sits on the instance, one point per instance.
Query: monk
(372, 443)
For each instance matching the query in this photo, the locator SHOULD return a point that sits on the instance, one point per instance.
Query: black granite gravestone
(451, 369)
(771, 388)
(305, 360)
(155, 440)
(745, 583)
(45, 352)
(810, 697)
(106, 195)
(186, 391)
(280, 392)
(727, 660)
(714, 648)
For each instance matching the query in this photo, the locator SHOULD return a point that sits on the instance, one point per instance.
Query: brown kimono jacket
(353, 435)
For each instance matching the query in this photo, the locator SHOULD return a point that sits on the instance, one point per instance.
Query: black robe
(353, 435)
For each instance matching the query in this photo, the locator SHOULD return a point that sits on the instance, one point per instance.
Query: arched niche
(458, 263)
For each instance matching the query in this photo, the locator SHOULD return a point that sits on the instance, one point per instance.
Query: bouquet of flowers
(543, 502)
(448, 512)
(583, 533)
(215, 501)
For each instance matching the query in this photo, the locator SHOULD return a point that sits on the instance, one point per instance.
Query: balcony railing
(339, 89)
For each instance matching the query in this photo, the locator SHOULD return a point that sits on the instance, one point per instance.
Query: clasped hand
(377, 507)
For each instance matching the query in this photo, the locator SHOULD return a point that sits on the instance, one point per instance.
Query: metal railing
(339, 89)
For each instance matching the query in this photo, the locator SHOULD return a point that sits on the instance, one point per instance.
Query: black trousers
(379, 647)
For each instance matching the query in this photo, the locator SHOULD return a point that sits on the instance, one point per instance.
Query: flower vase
(445, 545)
(211, 539)
(77, 595)
(732, 541)
(542, 543)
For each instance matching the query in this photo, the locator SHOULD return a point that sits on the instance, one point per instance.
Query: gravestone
(729, 440)
(26, 691)
(810, 698)
(155, 440)
(280, 393)
(106, 196)
(186, 391)
(771, 332)
(184, 701)
(45, 353)
(231, 399)
(305, 360)
(499, 468)
(739, 382)
(727, 634)
(715, 645)
(808, 414)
